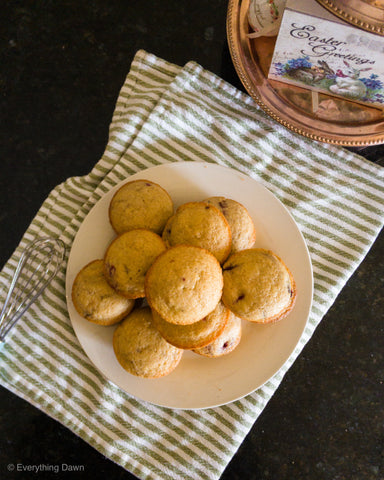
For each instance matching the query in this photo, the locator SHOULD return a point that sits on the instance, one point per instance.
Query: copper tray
(365, 14)
(317, 116)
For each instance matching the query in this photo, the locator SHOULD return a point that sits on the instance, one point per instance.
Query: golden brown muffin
(226, 342)
(258, 286)
(241, 224)
(128, 258)
(95, 300)
(141, 350)
(202, 225)
(184, 284)
(197, 334)
(140, 204)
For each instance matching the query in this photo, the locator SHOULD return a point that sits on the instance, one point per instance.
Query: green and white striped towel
(166, 113)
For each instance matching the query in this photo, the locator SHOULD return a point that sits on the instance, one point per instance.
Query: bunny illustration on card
(348, 83)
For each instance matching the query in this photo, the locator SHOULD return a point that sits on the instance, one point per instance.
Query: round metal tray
(327, 119)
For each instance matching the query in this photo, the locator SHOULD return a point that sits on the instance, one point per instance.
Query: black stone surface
(62, 64)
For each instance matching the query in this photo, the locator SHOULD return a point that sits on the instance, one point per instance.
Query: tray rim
(356, 140)
(361, 22)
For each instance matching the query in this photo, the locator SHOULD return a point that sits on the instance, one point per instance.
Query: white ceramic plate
(200, 382)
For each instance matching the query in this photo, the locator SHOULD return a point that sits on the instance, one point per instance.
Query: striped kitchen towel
(165, 113)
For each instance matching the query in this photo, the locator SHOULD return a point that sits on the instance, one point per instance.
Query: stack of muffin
(181, 279)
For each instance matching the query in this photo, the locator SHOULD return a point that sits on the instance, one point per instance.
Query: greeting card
(319, 51)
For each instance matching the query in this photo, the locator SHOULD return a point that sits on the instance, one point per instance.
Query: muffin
(95, 300)
(226, 342)
(197, 334)
(141, 350)
(140, 204)
(258, 286)
(240, 222)
(202, 225)
(184, 284)
(128, 258)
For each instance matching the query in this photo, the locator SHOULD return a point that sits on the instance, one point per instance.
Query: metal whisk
(37, 266)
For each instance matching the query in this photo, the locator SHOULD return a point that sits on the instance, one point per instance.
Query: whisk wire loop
(38, 264)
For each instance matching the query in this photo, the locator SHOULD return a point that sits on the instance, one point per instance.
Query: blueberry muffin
(128, 259)
(226, 342)
(95, 300)
(184, 284)
(258, 286)
(141, 350)
(202, 225)
(240, 222)
(140, 204)
(197, 334)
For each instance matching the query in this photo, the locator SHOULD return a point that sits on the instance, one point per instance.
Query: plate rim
(266, 192)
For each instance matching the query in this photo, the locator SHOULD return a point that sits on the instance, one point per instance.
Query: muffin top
(184, 284)
(226, 342)
(240, 222)
(95, 300)
(197, 334)
(140, 204)
(128, 259)
(258, 286)
(202, 225)
(141, 350)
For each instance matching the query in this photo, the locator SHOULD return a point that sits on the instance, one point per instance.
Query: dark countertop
(62, 65)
